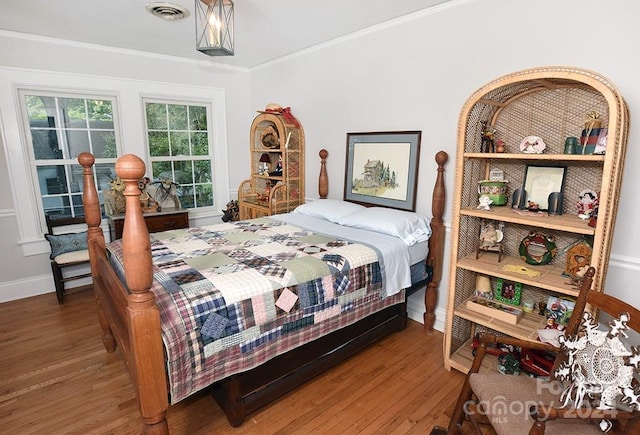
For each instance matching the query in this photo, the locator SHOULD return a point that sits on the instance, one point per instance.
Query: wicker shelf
(462, 358)
(264, 194)
(524, 330)
(550, 276)
(551, 103)
(534, 157)
(566, 222)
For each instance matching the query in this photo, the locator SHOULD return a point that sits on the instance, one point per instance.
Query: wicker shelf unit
(271, 192)
(551, 103)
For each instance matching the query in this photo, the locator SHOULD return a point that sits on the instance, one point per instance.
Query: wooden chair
(520, 404)
(67, 249)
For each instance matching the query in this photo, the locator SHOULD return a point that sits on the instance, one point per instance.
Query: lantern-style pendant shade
(214, 27)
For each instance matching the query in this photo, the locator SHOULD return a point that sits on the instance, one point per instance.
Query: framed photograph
(382, 169)
(508, 292)
(540, 181)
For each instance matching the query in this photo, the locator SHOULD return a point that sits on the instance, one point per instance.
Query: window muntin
(60, 127)
(178, 141)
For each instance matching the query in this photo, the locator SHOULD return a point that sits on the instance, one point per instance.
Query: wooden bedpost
(143, 315)
(95, 238)
(436, 242)
(323, 180)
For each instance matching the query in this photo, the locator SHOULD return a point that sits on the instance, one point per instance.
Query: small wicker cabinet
(550, 103)
(276, 184)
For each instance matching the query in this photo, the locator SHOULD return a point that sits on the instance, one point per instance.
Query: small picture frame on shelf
(496, 175)
(508, 292)
(540, 182)
(559, 310)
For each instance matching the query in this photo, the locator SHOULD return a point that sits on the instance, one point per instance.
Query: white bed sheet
(395, 253)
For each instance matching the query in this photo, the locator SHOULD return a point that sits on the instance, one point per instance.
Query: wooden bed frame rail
(130, 318)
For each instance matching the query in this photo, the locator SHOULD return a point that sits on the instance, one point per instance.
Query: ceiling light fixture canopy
(214, 27)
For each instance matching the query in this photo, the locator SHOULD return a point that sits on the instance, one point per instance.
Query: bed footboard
(130, 318)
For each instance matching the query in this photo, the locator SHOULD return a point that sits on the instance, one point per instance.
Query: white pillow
(411, 227)
(328, 209)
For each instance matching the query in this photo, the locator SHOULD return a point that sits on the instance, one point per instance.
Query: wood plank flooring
(56, 378)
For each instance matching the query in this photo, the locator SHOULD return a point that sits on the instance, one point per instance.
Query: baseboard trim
(415, 311)
(24, 288)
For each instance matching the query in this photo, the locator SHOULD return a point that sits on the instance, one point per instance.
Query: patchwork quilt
(234, 295)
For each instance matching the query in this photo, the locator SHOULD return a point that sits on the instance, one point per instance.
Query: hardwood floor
(58, 379)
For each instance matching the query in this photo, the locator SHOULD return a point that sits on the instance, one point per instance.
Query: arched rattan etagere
(551, 103)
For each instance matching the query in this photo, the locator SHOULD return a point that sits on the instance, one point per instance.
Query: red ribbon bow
(286, 113)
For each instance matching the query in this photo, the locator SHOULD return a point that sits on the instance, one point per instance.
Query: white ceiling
(265, 29)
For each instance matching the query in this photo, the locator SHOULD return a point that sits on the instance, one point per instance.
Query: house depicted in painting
(371, 174)
(376, 178)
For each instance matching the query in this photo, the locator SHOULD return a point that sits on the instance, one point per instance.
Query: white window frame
(211, 144)
(67, 160)
(215, 101)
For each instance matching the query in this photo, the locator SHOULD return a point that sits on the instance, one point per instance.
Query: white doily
(599, 367)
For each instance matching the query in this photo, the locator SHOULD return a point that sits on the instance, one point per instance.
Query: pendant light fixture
(214, 27)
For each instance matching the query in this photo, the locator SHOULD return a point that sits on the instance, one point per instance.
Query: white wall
(416, 73)
(410, 74)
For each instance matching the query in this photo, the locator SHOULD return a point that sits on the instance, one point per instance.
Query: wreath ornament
(599, 367)
(537, 248)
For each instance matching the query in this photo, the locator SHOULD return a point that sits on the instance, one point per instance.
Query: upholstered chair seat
(506, 401)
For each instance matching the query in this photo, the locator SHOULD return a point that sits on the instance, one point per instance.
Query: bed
(135, 297)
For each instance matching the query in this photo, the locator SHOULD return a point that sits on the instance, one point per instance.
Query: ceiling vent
(167, 11)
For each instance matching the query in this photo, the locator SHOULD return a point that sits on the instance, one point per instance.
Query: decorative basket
(495, 190)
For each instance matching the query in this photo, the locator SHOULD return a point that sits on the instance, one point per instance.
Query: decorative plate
(532, 145)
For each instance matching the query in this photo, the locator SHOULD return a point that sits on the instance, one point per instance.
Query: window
(178, 140)
(59, 127)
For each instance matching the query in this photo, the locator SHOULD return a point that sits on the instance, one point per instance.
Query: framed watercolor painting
(382, 169)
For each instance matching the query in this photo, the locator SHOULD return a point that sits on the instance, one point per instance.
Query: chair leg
(57, 280)
(462, 404)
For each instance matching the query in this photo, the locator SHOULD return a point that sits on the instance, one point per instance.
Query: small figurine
(490, 240)
(533, 206)
(485, 203)
(489, 237)
(147, 203)
(264, 196)
(278, 169)
(587, 204)
(542, 308)
(264, 171)
(483, 287)
(508, 364)
(487, 133)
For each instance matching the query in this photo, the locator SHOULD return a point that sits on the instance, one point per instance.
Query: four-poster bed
(130, 314)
